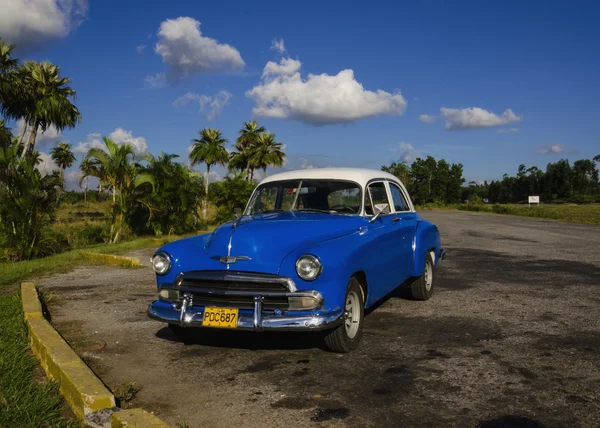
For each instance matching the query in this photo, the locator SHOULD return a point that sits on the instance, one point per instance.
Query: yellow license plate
(220, 317)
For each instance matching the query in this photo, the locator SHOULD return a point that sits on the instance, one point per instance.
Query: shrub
(28, 203)
(234, 191)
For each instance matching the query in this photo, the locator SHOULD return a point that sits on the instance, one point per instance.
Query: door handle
(396, 219)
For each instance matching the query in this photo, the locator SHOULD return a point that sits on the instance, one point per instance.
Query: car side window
(400, 203)
(376, 196)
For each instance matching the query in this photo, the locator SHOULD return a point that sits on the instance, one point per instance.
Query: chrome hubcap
(352, 314)
(428, 276)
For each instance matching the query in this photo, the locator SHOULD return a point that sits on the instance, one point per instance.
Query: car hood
(262, 241)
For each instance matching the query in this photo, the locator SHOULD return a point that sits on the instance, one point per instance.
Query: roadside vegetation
(567, 193)
(26, 398)
(587, 214)
(139, 194)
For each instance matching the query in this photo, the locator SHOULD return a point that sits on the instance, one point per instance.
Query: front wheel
(422, 287)
(346, 337)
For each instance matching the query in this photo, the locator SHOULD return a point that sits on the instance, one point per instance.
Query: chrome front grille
(236, 289)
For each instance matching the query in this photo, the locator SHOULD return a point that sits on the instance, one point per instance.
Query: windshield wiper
(278, 210)
(316, 210)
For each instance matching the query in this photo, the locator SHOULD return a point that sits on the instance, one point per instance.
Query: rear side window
(400, 203)
(377, 196)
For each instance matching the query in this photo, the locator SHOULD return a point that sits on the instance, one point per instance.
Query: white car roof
(360, 175)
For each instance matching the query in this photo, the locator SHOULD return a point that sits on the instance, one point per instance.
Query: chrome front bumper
(192, 316)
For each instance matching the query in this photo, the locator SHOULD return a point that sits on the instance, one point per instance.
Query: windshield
(328, 196)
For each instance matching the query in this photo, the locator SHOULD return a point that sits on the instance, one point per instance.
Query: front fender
(427, 239)
(341, 257)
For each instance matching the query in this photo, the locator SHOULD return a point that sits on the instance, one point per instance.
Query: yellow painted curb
(83, 391)
(136, 418)
(114, 260)
(32, 307)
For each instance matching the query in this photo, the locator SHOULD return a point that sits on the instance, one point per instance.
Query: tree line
(561, 182)
(431, 181)
(147, 194)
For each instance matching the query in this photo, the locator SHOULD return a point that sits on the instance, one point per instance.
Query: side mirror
(377, 212)
(237, 214)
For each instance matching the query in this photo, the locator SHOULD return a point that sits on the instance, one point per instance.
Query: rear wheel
(346, 337)
(422, 287)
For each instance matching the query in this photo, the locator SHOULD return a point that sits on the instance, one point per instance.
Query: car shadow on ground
(245, 339)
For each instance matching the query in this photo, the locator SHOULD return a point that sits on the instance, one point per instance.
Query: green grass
(586, 214)
(25, 400)
(12, 273)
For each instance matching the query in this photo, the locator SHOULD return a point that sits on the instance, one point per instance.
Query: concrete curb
(136, 418)
(114, 260)
(87, 396)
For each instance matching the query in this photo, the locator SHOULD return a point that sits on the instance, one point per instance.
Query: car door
(404, 223)
(384, 275)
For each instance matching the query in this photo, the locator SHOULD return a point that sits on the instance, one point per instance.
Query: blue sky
(514, 82)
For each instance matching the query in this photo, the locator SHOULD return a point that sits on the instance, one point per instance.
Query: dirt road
(510, 338)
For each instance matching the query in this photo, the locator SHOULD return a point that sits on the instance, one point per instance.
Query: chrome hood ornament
(231, 259)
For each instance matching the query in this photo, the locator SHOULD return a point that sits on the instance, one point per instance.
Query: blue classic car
(312, 250)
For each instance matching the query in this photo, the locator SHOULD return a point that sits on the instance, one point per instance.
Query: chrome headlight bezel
(166, 257)
(314, 260)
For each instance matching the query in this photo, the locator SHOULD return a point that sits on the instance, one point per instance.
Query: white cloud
(119, 136)
(49, 136)
(304, 164)
(506, 131)
(214, 176)
(93, 141)
(407, 152)
(475, 118)
(278, 46)
(159, 80)
(47, 165)
(426, 118)
(140, 49)
(318, 99)
(210, 107)
(32, 23)
(183, 47)
(551, 148)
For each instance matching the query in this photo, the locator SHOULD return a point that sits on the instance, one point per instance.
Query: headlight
(161, 262)
(308, 267)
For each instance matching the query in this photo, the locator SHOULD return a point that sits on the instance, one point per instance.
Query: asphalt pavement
(511, 338)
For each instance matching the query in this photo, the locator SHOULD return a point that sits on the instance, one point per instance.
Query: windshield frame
(254, 195)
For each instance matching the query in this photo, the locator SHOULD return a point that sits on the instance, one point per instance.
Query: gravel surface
(510, 338)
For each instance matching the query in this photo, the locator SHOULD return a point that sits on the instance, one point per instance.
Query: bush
(74, 197)
(28, 203)
(229, 194)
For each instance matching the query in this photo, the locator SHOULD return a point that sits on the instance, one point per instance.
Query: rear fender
(427, 239)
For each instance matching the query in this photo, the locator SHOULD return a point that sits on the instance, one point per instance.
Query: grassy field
(27, 399)
(13, 273)
(587, 214)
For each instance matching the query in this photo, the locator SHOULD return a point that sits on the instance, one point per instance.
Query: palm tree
(88, 168)
(240, 156)
(47, 100)
(209, 149)
(12, 104)
(8, 65)
(118, 167)
(63, 156)
(266, 152)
